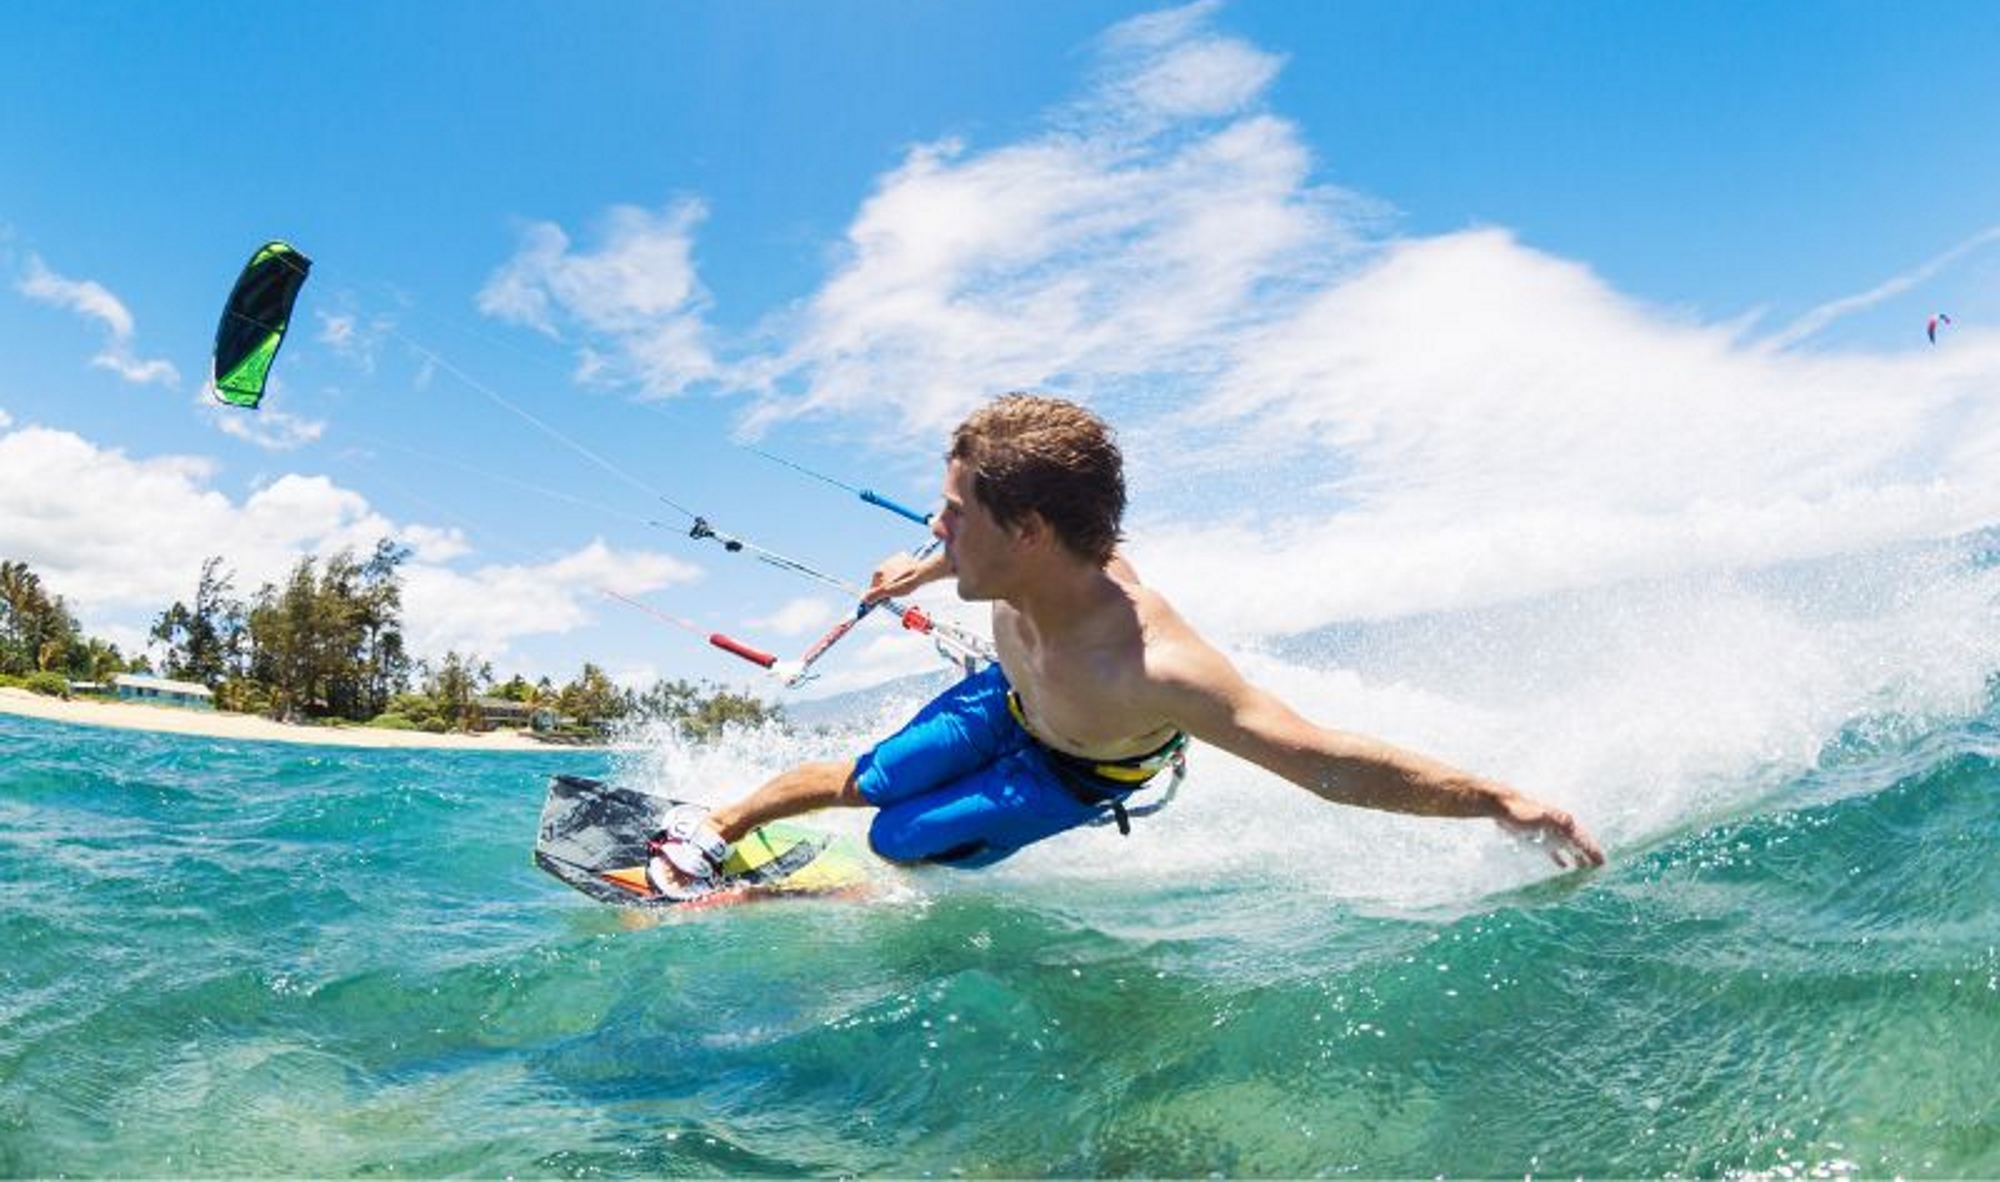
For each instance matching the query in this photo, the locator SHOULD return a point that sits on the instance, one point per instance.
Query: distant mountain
(840, 708)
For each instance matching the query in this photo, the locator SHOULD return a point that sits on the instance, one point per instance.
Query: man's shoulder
(1160, 623)
(1175, 656)
(1169, 652)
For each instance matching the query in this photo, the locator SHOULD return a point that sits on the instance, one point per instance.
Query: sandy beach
(133, 716)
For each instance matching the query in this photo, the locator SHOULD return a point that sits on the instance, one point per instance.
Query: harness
(1104, 784)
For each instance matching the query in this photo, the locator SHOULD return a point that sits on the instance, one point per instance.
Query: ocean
(241, 958)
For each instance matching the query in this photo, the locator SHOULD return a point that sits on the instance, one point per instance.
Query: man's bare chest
(1081, 707)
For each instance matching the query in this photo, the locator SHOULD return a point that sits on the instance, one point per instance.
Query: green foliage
(587, 707)
(592, 700)
(38, 634)
(453, 687)
(702, 712)
(206, 643)
(92, 659)
(36, 628)
(330, 643)
(47, 682)
(517, 689)
(243, 695)
(724, 709)
(419, 709)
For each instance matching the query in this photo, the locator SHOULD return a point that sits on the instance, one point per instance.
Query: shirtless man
(1099, 685)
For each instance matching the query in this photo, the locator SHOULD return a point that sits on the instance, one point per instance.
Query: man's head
(1029, 454)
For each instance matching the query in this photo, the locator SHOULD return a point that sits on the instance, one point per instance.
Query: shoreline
(215, 725)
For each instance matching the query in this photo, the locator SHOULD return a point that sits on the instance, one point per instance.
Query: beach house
(159, 691)
(494, 713)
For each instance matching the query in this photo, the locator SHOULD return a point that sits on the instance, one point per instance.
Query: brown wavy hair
(1032, 454)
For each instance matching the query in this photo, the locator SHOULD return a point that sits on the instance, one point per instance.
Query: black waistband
(1105, 783)
(1117, 776)
(1104, 773)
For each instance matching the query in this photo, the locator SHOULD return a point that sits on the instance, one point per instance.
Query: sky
(1399, 307)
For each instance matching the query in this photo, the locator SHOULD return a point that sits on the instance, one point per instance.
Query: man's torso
(1089, 696)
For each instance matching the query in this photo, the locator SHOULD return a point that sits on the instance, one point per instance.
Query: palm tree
(17, 582)
(35, 631)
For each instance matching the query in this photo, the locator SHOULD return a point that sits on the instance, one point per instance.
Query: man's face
(977, 546)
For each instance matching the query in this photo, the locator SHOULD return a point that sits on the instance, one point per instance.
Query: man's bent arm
(900, 574)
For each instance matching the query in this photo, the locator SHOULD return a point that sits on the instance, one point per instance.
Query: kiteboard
(594, 838)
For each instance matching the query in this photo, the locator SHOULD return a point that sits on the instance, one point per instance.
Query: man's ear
(1033, 529)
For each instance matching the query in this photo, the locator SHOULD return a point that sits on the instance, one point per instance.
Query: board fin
(632, 878)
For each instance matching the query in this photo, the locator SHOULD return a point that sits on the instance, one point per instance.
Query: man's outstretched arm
(1205, 695)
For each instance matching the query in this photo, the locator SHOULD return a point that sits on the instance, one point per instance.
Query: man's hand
(1567, 843)
(900, 574)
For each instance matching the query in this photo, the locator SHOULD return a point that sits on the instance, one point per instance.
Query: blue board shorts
(964, 783)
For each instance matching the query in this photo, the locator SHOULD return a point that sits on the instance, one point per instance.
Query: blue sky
(1483, 299)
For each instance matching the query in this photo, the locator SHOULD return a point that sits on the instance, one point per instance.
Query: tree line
(327, 644)
(41, 644)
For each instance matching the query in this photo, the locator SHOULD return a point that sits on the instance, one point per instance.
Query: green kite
(254, 321)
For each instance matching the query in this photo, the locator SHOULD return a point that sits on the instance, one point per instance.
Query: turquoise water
(234, 958)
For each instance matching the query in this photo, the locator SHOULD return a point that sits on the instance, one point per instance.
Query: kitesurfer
(1098, 686)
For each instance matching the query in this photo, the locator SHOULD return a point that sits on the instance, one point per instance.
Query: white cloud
(1390, 425)
(485, 610)
(1471, 421)
(637, 677)
(1167, 66)
(1399, 425)
(128, 639)
(358, 339)
(519, 291)
(265, 427)
(1151, 223)
(93, 301)
(337, 332)
(82, 296)
(6, 420)
(798, 618)
(118, 535)
(1818, 318)
(1154, 216)
(637, 294)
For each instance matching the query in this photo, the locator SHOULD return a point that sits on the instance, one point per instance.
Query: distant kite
(254, 322)
(1936, 322)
